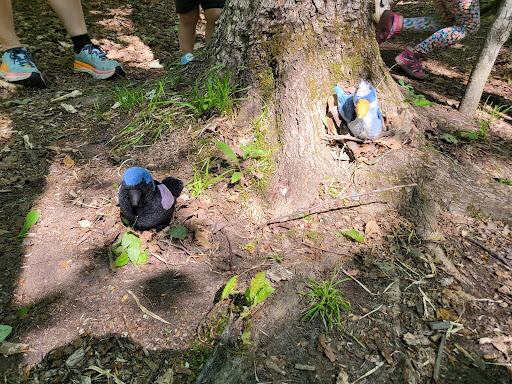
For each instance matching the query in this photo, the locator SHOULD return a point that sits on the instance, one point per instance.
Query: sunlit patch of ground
(132, 51)
(5, 128)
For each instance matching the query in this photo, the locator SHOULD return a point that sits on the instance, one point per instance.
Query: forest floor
(78, 316)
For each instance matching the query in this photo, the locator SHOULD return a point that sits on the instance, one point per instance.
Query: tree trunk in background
(293, 53)
(498, 35)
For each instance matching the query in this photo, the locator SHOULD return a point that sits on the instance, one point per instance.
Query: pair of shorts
(184, 6)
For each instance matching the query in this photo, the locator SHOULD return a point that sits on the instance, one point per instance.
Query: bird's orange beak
(362, 108)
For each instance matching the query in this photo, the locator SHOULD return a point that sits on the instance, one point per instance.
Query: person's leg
(17, 65)
(421, 24)
(467, 19)
(8, 37)
(211, 15)
(71, 14)
(187, 29)
(466, 14)
(89, 58)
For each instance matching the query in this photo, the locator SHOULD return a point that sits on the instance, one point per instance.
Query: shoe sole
(97, 74)
(33, 79)
(406, 69)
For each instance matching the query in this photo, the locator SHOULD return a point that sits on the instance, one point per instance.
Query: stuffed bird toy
(146, 203)
(360, 111)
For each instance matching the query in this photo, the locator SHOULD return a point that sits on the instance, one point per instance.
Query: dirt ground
(76, 313)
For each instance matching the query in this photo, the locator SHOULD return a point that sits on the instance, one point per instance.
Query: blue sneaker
(94, 61)
(18, 67)
(187, 58)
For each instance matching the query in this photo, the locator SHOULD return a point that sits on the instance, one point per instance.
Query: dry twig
(147, 311)
(299, 214)
(490, 252)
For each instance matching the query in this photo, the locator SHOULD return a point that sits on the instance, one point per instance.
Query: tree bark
(498, 35)
(293, 52)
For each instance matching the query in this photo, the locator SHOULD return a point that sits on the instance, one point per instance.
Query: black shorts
(184, 6)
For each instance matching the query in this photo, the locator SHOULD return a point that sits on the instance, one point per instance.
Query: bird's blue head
(135, 175)
(364, 97)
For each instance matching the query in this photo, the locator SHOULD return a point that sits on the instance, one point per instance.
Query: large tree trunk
(293, 52)
(497, 36)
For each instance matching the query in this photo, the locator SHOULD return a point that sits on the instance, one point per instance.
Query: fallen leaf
(68, 108)
(167, 377)
(411, 339)
(278, 273)
(26, 141)
(342, 377)
(84, 223)
(68, 162)
(65, 44)
(8, 349)
(372, 230)
(155, 64)
(445, 314)
(124, 298)
(390, 142)
(502, 343)
(505, 290)
(249, 248)
(325, 346)
(275, 364)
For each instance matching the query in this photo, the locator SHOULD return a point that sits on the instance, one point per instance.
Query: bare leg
(8, 37)
(71, 14)
(187, 30)
(211, 15)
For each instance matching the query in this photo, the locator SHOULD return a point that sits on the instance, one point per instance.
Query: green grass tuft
(326, 301)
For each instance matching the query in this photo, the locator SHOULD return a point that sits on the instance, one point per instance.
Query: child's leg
(8, 37)
(429, 24)
(467, 19)
(71, 14)
(187, 30)
(211, 15)
(421, 24)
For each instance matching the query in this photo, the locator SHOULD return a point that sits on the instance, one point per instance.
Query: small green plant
(326, 301)
(277, 257)
(257, 292)
(215, 94)
(494, 112)
(129, 98)
(229, 288)
(23, 311)
(100, 116)
(5, 330)
(178, 232)
(354, 235)
(203, 179)
(504, 181)
(30, 220)
(127, 249)
(333, 188)
(413, 98)
(449, 138)
(158, 113)
(226, 149)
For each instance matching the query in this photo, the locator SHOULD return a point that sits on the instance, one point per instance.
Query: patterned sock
(421, 24)
(80, 41)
